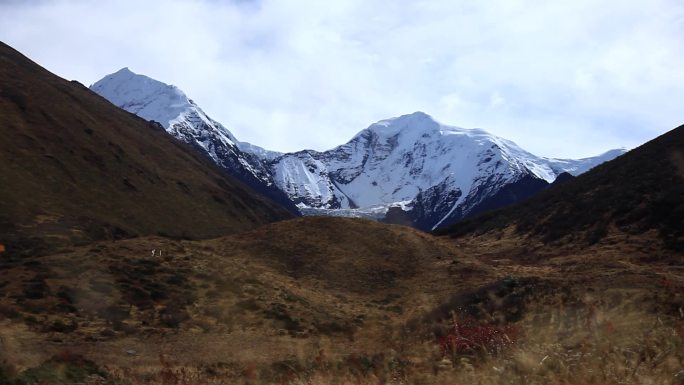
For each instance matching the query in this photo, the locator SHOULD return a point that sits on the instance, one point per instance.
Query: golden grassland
(604, 344)
(342, 301)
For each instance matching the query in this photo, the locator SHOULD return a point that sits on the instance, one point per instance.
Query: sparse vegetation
(565, 337)
(63, 369)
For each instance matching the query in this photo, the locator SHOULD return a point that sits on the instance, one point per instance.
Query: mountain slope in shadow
(640, 191)
(75, 169)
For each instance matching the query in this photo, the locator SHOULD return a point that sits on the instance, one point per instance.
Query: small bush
(248, 305)
(173, 315)
(61, 326)
(63, 369)
(35, 289)
(9, 312)
(115, 315)
(472, 338)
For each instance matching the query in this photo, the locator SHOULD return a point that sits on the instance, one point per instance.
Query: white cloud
(560, 78)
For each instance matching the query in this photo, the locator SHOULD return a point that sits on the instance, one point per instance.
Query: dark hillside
(75, 169)
(639, 191)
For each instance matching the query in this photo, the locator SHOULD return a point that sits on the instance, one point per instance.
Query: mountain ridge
(583, 210)
(423, 163)
(186, 121)
(436, 173)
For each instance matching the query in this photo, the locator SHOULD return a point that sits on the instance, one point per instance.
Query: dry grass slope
(285, 290)
(342, 254)
(75, 169)
(334, 300)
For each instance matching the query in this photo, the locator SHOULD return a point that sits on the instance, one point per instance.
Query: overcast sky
(564, 78)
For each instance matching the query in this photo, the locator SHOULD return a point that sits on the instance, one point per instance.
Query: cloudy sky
(566, 78)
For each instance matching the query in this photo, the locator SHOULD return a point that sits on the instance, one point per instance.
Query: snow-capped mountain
(427, 173)
(182, 118)
(438, 173)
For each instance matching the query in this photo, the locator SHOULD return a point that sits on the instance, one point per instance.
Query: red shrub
(665, 283)
(463, 338)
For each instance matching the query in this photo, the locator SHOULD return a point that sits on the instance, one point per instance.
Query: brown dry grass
(608, 338)
(301, 302)
(236, 296)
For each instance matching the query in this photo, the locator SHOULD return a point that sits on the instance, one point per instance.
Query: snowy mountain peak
(143, 96)
(167, 104)
(438, 173)
(124, 70)
(420, 126)
(414, 120)
(417, 121)
(182, 118)
(442, 173)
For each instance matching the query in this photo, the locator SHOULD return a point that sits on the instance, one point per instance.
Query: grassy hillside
(336, 300)
(75, 169)
(261, 295)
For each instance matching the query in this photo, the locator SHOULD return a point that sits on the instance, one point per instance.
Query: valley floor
(335, 300)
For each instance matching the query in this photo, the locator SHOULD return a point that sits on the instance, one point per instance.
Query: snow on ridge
(143, 96)
(580, 166)
(164, 103)
(259, 152)
(391, 162)
(182, 118)
(395, 159)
